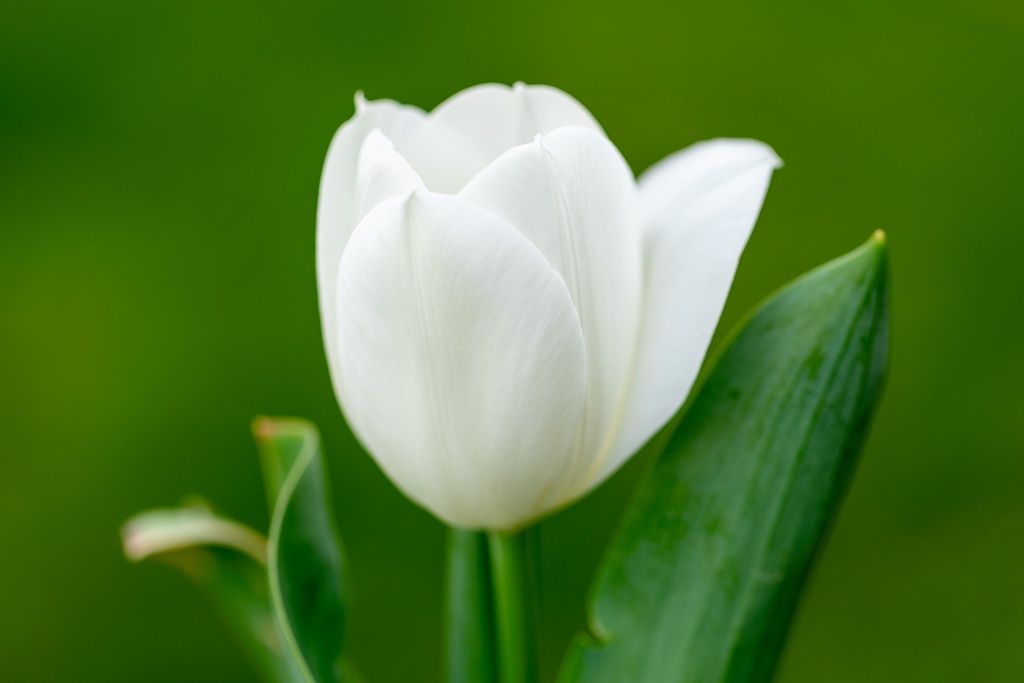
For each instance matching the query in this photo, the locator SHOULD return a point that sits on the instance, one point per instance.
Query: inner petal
(474, 127)
(381, 174)
(573, 196)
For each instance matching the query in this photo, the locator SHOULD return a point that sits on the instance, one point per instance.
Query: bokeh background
(159, 164)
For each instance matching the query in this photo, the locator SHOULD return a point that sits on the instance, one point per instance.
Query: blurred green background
(159, 164)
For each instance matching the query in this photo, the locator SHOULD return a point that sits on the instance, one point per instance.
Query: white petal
(382, 174)
(462, 368)
(474, 127)
(572, 195)
(336, 210)
(699, 207)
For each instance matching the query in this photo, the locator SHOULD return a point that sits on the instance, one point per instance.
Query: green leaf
(227, 560)
(701, 582)
(304, 556)
(469, 636)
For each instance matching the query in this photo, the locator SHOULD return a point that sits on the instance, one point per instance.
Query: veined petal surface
(336, 213)
(572, 195)
(474, 127)
(463, 368)
(698, 208)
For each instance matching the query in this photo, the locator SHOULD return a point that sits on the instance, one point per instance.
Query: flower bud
(508, 314)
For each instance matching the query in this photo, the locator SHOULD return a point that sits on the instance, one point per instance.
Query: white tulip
(508, 315)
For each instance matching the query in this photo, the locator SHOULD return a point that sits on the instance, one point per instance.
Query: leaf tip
(170, 530)
(873, 255)
(879, 241)
(263, 427)
(267, 428)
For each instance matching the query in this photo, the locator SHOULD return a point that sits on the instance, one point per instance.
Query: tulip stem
(469, 619)
(514, 608)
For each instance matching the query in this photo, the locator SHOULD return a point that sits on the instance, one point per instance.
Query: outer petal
(474, 127)
(462, 370)
(572, 195)
(699, 207)
(336, 208)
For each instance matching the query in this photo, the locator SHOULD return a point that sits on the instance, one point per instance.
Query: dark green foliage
(701, 582)
(304, 556)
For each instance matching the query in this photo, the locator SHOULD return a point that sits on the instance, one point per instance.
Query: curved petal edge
(336, 211)
(699, 207)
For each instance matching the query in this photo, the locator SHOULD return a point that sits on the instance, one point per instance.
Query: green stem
(514, 608)
(468, 614)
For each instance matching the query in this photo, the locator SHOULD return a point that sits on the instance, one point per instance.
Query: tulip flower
(508, 314)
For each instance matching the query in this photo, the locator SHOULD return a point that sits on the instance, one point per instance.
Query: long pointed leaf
(227, 560)
(306, 568)
(701, 582)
